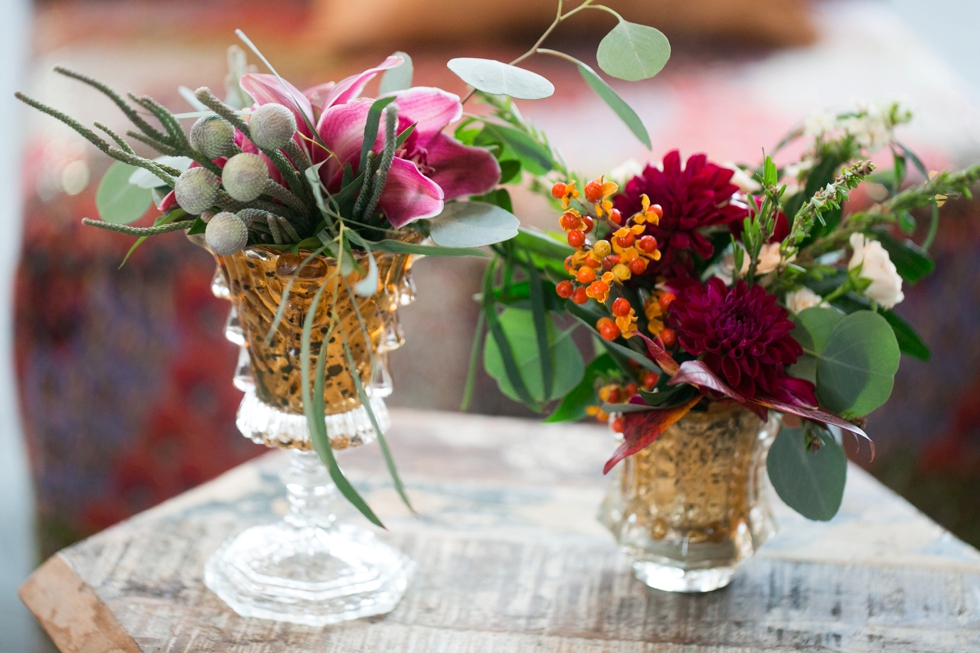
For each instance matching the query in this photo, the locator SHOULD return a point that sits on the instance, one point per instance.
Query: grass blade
(506, 352)
(539, 313)
(474, 361)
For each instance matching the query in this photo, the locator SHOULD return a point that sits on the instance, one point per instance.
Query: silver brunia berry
(244, 176)
(196, 190)
(226, 234)
(272, 126)
(213, 136)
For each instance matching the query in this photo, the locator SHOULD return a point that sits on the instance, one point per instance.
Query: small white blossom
(802, 299)
(869, 131)
(625, 171)
(819, 123)
(794, 170)
(876, 266)
(742, 179)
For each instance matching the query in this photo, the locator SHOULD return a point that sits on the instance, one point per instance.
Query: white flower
(870, 131)
(769, 259)
(802, 299)
(626, 170)
(742, 179)
(794, 170)
(819, 123)
(886, 284)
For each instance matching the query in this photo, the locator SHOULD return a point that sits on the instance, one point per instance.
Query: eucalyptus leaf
(119, 201)
(398, 78)
(856, 369)
(813, 328)
(532, 155)
(616, 103)
(809, 482)
(633, 52)
(566, 361)
(499, 78)
(472, 224)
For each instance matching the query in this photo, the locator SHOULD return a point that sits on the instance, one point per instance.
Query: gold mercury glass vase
(693, 504)
(309, 568)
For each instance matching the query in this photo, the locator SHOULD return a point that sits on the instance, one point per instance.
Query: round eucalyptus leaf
(856, 369)
(633, 52)
(810, 482)
(566, 360)
(813, 328)
(119, 201)
(499, 78)
(472, 224)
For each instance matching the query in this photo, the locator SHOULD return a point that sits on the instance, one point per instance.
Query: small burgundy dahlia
(696, 196)
(743, 336)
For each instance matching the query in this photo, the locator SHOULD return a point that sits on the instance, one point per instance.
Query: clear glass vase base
(673, 579)
(308, 575)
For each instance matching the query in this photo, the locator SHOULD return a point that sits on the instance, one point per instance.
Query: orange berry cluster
(654, 309)
(615, 393)
(595, 269)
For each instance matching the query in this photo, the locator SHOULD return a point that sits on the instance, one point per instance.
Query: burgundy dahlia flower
(693, 197)
(743, 336)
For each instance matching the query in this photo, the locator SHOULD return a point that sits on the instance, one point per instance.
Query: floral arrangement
(327, 172)
(703, 283)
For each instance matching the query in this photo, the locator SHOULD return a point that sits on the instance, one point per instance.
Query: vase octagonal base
(311, 576)
(669, 578)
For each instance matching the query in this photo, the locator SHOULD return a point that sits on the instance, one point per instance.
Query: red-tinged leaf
(815, 415)
(656, 351)
(644, 428)
(698, 374)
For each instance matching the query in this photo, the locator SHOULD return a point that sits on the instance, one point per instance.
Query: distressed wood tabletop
(511, 559)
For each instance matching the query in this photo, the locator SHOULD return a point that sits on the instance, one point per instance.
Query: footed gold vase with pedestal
(693, 504)
(308, 568)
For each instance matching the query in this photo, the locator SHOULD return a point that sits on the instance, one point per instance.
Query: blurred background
(115, 384)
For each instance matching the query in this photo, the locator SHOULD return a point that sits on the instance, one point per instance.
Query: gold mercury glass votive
(693, 504)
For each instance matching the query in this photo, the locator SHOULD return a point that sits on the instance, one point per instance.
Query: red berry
(579, 296)
(565, 289)
(607, 328)
(568, 263)
(665, 300)
(650, 380)
(631, 389)
(656, 208)
(593, 191)
(576, 238)
(619, 424)
(621, 307)
(585, 275)
(558, 190)
(669, 337)
(592, 263)
(569, 221)
(615, 216)
(638, 265)
(599, 288)
(589, 223)
(614, 395)
(626, 241)
(647, 244)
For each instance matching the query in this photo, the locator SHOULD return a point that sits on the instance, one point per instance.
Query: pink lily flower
(427, 170)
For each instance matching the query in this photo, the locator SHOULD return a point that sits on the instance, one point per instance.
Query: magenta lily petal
(347, 89)
(431, 108)
(342, 129)
(461, 170)
(409, 195)
(267, 89)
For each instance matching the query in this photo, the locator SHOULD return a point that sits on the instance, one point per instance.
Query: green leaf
(398, 78)
(906, 222)
(472, 224)
(502, 343)
(573, 405)
(537, 242)
(533, 156)
(616, 103)
(809, 482)
(518, 327)
(510, 171)
(909, 342)
(856, 370)
(399, 247)
(813, 328)
(770, 175)
(911, 261)
(633, 52)
(199, 227)
(539, 312)
(498, 197)
(371, 128)
(499, 78)
(119, 201)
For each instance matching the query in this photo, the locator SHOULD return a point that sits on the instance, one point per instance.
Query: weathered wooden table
(511, 558)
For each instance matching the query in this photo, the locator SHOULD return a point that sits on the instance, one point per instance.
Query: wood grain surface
(511, 559)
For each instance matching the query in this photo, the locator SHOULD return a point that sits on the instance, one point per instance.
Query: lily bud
(213, 136)
(272, 126)
(244, 176)
(226, 234)
(196, 190)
